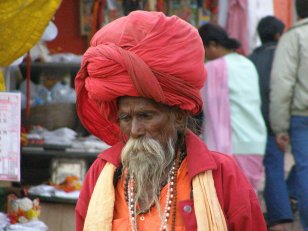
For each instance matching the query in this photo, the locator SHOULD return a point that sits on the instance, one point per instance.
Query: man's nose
(137, 129)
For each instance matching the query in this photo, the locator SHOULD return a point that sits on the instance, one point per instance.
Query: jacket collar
(199, 158)
(113, 154)
(299, 23)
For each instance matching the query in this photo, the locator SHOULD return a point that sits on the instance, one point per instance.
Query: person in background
(289, 101)
(276, 190)
(139, 81)
(233, 121)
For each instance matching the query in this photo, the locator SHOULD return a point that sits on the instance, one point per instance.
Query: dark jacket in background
(263, 57)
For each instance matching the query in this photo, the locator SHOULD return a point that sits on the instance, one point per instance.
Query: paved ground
(296, 226)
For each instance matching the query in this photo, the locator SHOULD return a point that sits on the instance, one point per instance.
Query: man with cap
(138, 84)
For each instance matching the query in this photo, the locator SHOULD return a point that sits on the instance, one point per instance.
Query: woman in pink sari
(233, 122)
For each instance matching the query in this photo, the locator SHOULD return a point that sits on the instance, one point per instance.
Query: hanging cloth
(257, 9)
(237, 23)
(2, 82)
(22, 24)
(284, 11)
(223, 13)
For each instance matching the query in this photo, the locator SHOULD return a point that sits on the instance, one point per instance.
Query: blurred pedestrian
(276, 189)
(233, 121)
(289, 101)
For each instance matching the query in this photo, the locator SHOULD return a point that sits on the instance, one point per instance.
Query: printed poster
(10, 136)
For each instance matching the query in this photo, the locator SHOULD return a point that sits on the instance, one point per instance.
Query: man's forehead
(139, 103)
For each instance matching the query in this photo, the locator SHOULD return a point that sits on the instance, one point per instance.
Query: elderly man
(138, 84)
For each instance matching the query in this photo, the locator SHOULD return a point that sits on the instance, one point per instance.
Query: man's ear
(213, 44)
(181, 120)
(277, 36)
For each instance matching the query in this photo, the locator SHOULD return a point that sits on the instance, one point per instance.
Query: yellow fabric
(22, 24)
(100, 210)
(2, 82)
(208, 211)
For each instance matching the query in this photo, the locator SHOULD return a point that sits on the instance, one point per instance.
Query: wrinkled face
(140, 117)
(152, 134)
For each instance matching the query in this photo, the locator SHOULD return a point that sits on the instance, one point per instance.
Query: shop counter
(37, 162)
(37, 168)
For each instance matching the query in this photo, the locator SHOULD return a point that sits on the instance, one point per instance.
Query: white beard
(146, 160)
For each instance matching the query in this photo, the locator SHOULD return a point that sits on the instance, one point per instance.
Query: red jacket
(237, 199)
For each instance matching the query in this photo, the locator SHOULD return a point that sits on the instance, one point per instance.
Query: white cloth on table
(29, 226)
(51, 191)
(4, 221)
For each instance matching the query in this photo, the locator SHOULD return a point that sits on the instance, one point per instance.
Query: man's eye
(124, 117)
(145, 115)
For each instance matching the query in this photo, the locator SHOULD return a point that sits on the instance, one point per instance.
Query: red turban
(144, 54)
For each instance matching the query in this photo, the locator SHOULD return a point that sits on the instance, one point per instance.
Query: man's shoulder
(110, 155)
(237, 61)
(262, 58)
(225, 162)
(298, 30)
(96, 168)
(265, 48)
(221, 157)
(298, 26)
(216, 63)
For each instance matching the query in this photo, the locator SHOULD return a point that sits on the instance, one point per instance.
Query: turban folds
(145, 54)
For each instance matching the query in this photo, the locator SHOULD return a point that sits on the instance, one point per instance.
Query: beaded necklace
(170, 198)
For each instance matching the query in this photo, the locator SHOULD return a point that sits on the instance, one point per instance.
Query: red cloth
(237, 199)
(143, 54)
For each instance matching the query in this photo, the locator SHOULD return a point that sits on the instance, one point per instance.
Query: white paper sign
(10, 136)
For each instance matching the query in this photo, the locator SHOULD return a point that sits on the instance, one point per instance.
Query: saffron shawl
(209, 214)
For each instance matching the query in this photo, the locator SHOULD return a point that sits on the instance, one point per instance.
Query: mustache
(142, 144)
